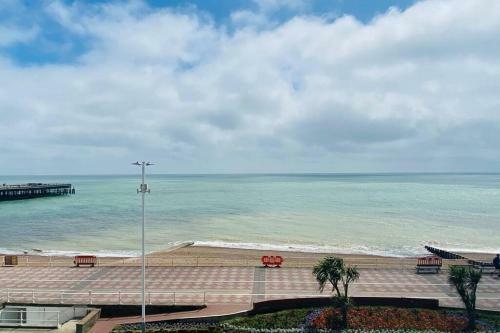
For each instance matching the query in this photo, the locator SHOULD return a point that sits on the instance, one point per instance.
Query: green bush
(284, 319)
(492, 319)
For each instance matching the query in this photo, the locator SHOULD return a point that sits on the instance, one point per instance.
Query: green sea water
(355, 213)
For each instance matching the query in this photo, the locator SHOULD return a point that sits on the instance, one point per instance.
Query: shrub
(334, 271)
(466, 280)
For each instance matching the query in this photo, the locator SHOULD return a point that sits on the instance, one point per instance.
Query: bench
(430, 264)
(272, 261)
(9, 260)
(85, 260)
(484, 267)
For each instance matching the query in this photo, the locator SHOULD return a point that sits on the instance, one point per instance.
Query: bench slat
(85, 260)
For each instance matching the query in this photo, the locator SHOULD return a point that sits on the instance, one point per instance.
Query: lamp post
(143, 189)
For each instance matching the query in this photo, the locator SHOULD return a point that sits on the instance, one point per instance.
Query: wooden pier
(34, 190)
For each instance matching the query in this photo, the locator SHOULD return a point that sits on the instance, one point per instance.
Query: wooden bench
(9, 260)
(484, 267)
(85, 260)
(272, 261)
(430, 264)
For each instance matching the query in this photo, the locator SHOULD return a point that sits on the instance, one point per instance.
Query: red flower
(391, 318)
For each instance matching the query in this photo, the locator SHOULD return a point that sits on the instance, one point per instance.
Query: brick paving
(395, 283)
(216, 285)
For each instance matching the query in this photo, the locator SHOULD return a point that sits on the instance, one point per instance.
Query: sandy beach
(219, 256)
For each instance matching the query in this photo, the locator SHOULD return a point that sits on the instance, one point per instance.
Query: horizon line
(387, 173)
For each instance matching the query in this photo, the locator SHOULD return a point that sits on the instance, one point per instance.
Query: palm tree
(334, 271)
(465, 280)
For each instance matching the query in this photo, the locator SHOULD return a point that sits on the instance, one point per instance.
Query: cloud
(413, 90)
(14, 30)
(274, 5)
(9, 35)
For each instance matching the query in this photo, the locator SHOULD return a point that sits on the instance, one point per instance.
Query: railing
(104, 297)
(239, 281)
(25, 317)
(167, 297)
(204, 261)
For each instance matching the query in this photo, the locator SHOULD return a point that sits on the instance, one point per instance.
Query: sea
(384, 214)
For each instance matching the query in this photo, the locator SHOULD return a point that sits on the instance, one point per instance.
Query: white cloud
(12, 29)
(274, 5)
(412, 90)
(11, 35)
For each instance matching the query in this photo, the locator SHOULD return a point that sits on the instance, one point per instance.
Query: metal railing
(110, 297)
(207, 281)
(26, 317)
(204, 261)
(202, 297)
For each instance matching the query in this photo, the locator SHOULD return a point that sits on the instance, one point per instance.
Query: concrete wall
(40, 316)
(8, 317)
(86, 324)
(286, 304)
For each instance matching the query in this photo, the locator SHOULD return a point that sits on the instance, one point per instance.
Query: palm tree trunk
(471, 316)
(344, 316)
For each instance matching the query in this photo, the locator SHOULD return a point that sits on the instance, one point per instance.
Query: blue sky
(55, 44)
(249, 86)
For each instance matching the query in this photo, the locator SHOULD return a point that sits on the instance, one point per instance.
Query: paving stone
(217, 285)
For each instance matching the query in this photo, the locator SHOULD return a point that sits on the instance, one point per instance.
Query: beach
(201, 256)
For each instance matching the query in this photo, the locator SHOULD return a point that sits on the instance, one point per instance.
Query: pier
(34, 190)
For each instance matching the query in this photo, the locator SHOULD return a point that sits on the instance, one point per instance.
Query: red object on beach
(275, 261)
(85, 260)
(430, 261)
(278, 261)
(430, 264)
(265, 260)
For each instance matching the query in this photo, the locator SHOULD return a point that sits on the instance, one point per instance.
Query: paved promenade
(216, 285)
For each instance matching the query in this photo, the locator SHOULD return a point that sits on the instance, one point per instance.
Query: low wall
(296, 303)
(86, 323)
(424, 303)
(40, 315)
(110, 311)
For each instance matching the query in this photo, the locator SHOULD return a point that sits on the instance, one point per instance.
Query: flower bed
(361, 319)
(174, 327)
(371, 318)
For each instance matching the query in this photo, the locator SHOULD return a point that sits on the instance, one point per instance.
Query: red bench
(272, 261)
(430, 264)
(85, 260)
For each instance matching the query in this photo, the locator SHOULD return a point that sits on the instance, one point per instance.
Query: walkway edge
(106, 325)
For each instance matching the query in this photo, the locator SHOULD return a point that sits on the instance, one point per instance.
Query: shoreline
(201, 249)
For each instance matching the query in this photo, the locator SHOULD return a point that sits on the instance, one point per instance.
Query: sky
(249, 86)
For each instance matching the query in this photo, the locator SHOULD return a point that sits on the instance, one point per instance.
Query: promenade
(217, 285)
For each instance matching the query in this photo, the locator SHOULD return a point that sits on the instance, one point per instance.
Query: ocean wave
(70, 253)
(306, 248)
(358, 249)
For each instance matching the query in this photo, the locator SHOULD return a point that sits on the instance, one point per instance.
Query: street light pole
(143, 189)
